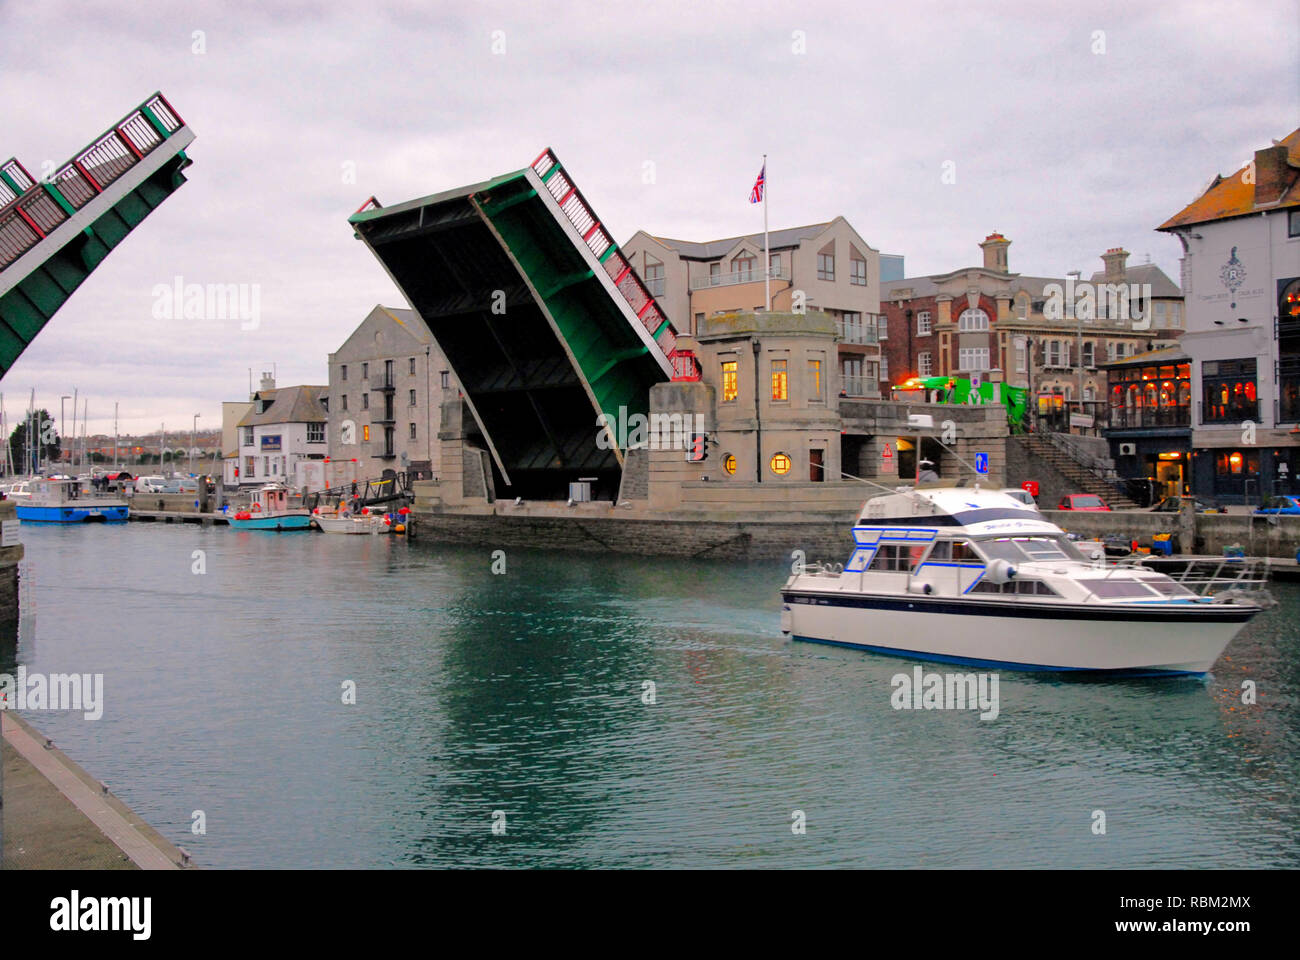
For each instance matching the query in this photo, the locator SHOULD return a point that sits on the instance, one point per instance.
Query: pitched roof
(1233, 196)
(299, 404)
(928, 286)
(714, 249)
(1161, 285)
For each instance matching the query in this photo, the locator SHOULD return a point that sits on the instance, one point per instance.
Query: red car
(1082, 501)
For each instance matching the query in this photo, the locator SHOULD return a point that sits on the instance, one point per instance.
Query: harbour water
(518, 699)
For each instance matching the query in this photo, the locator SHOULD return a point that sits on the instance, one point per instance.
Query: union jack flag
(756, 195)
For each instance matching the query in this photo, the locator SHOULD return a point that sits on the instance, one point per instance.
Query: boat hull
(283, 522)
(352, 525)
(1151, 639)
(33, 513)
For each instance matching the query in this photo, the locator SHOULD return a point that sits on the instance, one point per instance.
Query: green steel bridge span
(544, 322)
(55, 231)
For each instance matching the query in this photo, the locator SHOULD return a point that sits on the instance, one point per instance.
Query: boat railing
(820, 569)
(1209, 576)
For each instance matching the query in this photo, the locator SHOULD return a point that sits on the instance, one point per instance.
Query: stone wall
(10, 557)
(819, 540)
(635, 484)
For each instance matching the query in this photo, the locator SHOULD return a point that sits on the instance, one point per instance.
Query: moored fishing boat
(67, 500)
(970, 576)
(355, 523)
(270, 510)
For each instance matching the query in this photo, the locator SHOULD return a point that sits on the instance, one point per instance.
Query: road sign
(981, 463)
(887, 454)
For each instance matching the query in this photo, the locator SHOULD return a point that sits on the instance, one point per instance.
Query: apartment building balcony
(734, 278)
(384, 450)
(860, 387)
(387, 382)
(1143, 418)
(860, 331)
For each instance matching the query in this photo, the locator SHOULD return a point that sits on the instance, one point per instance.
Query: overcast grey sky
(1065, 150)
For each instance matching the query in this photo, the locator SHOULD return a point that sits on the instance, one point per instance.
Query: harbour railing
(30, 209)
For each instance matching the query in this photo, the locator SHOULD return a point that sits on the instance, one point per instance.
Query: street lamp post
(193, 430)
(63, 423)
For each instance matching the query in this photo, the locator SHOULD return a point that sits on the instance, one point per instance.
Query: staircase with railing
(1087, 477)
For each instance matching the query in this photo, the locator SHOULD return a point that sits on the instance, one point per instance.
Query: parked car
(1174, 504)
(1082, 501)
(1281, 504)
(149, 484)
(1024, 496)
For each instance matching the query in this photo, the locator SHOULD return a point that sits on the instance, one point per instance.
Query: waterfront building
(1034, 332)
(232, 412)
(385, 394)
(1149, 420)
(826, 267)
(1241, 277)
(283, 431)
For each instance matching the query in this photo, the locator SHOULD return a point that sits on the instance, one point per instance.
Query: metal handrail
(736, 277)
(27, 218)
(601, 244)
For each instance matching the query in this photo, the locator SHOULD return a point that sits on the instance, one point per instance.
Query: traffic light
(698, 450)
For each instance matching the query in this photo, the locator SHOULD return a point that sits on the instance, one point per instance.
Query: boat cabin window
(1111, 589)
(956, 551)
(1169, 588)
(893, 556)
(953, 551)
(1030, 588)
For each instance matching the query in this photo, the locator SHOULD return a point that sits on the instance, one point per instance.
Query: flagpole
(767, 256)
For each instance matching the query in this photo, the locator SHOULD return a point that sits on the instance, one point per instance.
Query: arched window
(972, 321)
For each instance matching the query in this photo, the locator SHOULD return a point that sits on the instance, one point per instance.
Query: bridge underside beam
(530, 333)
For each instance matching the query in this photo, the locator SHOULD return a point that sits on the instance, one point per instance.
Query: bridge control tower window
(730, 380)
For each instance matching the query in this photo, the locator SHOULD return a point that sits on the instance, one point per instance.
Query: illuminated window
(730, 388)
(729, 464)
(365, 433)
(780, 463)
(815, 381)
(780, 381)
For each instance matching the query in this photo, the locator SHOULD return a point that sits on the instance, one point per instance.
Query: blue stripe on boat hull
(33, 514)
(999, 664)
(292, 522)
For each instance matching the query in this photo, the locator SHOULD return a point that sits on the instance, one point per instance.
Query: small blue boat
(66, 500)
(270, 510)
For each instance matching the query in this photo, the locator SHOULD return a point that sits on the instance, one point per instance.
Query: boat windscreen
(1020, 549)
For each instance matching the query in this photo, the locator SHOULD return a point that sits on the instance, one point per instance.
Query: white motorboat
(975, 576)
(355, 523)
